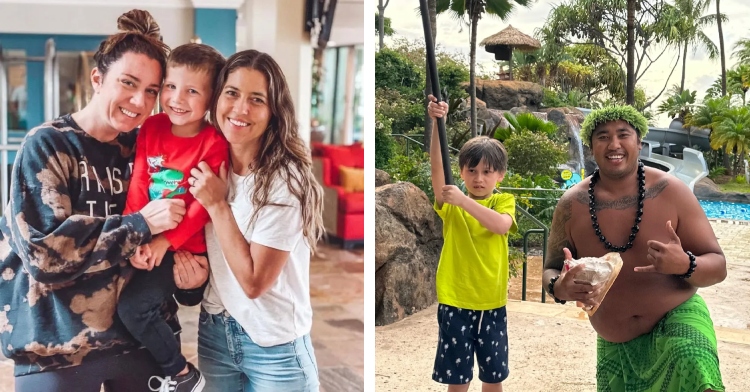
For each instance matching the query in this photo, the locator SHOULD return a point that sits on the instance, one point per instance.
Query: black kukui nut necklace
(638, 214)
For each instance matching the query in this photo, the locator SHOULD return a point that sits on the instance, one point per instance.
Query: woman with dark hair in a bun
(64, 243)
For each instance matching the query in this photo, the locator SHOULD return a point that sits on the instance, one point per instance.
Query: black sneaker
(193, 381)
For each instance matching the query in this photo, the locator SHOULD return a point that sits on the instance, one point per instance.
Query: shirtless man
(655, 332)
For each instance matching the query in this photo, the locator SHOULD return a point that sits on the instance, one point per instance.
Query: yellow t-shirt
(473, 268)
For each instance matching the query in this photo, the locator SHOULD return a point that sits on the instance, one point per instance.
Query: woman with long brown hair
(254, 332)
(64, 243)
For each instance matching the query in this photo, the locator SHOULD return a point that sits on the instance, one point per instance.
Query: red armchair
(344, 198)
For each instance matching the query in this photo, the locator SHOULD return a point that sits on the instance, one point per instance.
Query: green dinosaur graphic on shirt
(165, 183)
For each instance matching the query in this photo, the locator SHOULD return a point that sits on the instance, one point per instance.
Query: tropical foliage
(531, 153)
(732, 134)
(594, 53)
(470, 11)
(608, 24)
(691, 19)
(679, 105)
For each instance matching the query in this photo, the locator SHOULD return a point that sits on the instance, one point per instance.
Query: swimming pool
(726, 210)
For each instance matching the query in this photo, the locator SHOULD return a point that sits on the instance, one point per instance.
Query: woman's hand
(190, 271)
(163, 214)
(208, 188)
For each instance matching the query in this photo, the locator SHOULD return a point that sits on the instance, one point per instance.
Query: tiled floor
(337, 291)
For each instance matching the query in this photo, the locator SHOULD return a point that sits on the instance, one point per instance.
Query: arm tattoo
(558, 237)
(623, 202)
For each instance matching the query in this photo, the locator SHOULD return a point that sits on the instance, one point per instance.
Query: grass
(734, 187)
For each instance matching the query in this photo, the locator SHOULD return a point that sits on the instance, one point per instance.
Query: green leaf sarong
(679, 355)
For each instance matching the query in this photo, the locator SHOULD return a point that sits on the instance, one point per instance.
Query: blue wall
(34, 46)
(217, 28)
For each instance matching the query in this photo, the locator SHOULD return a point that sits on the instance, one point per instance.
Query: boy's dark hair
(198, 57)
(483, 147)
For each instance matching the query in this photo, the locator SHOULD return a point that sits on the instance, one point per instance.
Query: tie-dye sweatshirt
(64, 249)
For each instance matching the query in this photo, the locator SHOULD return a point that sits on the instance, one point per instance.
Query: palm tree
(733, 134)
(550, 56)
(679, 106)
(473, 10)
(630, 47)
(525, 65)
(730, 89)
(740, 76)
(709, 115)
(721, 48)
(742, 50)
(690, 26)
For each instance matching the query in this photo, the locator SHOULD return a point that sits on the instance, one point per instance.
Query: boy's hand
(159, 246)
(453, 195)
(436, 109)
(140, 258)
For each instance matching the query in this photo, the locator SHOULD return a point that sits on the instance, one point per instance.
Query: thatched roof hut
(509, 38)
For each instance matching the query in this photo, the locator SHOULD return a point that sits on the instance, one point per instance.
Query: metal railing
(544, 230)
(410, 139)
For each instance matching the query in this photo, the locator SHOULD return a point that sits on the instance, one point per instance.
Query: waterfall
(575, 129)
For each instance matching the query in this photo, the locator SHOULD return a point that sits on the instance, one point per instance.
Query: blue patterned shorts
(463, 333)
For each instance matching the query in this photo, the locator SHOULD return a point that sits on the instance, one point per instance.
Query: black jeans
(138, 309)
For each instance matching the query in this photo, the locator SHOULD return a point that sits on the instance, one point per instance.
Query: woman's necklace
(638, 214)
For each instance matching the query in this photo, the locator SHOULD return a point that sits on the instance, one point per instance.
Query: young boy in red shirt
(169, 145)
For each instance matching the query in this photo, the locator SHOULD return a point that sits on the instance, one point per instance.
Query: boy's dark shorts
(461, 335)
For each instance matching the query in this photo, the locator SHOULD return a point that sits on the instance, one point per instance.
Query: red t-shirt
(161, 171)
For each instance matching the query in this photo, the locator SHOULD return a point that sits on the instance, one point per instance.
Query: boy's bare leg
(458, 387)
(494, 387)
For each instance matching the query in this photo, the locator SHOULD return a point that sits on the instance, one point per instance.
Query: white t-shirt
(283, 313)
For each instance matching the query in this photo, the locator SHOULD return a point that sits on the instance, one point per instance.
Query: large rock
(381, 178)
(705, 189)
(408, 238)
(485, 117)
(508, 94)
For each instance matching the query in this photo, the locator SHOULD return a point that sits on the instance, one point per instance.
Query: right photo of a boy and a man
(561, 196)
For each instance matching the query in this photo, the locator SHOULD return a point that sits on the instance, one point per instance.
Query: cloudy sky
(701, 71)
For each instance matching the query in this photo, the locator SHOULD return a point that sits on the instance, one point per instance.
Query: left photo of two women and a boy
(182, 196)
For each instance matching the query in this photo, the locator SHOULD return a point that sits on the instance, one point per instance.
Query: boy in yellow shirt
(472, 277)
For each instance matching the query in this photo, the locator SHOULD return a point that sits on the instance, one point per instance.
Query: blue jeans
(231, 362)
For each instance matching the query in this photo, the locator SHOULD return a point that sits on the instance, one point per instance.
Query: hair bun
(139, 21)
